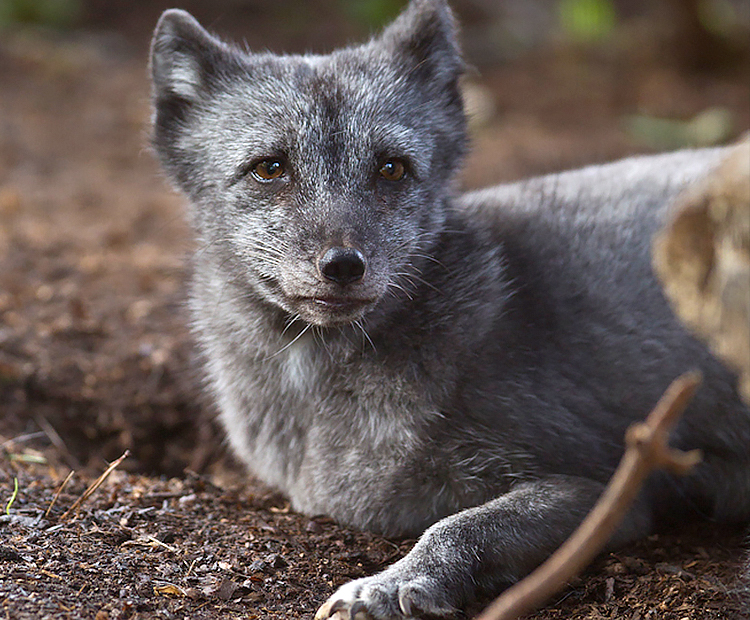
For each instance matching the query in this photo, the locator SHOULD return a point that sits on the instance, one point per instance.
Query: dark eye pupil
(269, 169)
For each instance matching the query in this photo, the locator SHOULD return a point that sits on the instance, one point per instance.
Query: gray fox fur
(413, 360)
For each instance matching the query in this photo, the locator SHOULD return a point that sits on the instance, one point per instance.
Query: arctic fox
(414, 360)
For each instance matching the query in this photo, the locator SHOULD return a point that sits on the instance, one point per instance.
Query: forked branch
(647, 449)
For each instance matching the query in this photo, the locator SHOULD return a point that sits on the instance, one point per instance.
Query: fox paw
(385, 597)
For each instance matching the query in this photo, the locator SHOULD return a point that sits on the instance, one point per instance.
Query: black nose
(342, 265)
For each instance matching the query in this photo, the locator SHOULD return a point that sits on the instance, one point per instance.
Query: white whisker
(366, 335)
(285, 347)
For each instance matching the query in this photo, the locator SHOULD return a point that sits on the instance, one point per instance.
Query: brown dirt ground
(95, 356)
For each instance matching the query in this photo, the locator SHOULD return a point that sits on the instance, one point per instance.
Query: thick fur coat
(405, 358)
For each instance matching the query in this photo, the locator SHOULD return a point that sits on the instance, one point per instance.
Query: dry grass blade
(58, 442)
(57, 493)
(94, 486)
(19, 439)
(647, 450)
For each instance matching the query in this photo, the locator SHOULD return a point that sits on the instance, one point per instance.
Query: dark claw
(358, 606)
(337, 606)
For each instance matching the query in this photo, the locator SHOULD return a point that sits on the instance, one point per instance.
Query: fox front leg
(477, 552)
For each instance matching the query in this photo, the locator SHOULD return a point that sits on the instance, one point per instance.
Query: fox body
(403, 357)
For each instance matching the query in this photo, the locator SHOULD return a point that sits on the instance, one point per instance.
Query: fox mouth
(332, 309)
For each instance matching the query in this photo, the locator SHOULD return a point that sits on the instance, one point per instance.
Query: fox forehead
(292, 105)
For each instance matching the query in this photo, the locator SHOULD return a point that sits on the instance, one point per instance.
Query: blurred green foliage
(54, 13)
(709, 128)
(372, 13)
(717, 16)
(587, 21)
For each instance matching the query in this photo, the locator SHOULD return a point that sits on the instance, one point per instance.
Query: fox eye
(393, 170)
(268, 169)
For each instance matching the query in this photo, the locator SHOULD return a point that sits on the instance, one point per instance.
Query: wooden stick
(647, 449)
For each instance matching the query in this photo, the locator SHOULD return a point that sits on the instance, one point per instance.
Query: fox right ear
(185, 58)
(425, 35)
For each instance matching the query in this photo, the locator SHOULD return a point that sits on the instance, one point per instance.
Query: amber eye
(268, 169)
(393, 170)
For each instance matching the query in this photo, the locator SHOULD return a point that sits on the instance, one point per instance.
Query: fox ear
(187, 65)
(425, 37)
(185, 58)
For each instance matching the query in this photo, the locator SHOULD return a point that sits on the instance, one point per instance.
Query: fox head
(317, 183)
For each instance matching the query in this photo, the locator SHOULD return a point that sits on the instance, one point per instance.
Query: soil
(95, 355)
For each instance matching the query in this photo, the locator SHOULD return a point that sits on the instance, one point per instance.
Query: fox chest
(313, 426)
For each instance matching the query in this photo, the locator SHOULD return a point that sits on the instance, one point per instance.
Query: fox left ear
(187, 65)
(425, 37)
(184, 57)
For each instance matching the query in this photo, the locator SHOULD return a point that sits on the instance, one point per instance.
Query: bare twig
(158, 543)
(647, 450)
(150, 541)
(94, 486)
(49, 574)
